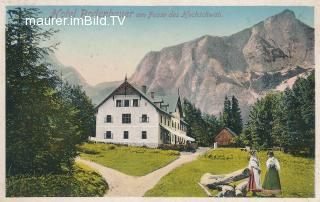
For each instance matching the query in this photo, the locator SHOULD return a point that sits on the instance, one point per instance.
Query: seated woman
(271, 184)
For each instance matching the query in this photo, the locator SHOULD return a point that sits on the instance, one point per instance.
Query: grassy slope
(83, 181)
(136, 161)
(297, 174)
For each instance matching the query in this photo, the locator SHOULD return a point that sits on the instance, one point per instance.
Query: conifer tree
(203, 127)
(259, 124)
(45, 118)
(236, 120)
(300, 102)
(226, 114)
(285, 119)
(30, 88)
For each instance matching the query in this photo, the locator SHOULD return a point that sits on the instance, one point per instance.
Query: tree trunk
(226, 191)
(205, 189)
(241, 189)
(207, 178)
(212, 181)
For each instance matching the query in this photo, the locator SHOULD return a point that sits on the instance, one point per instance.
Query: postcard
(160, 100)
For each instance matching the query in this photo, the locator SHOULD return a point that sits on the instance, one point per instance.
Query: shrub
(179, 147)
(99, 148)
(88, 151)
(80, 182)
(111, 147)
(226, 154)
(171, 152)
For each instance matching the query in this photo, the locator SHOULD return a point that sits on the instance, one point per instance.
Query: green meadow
(296, 174)
(136, 161)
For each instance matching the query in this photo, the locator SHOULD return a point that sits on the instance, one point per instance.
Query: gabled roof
(229, 130)
(171, 100)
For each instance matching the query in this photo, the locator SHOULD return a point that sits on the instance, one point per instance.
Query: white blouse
(254, 163)
(273, 162)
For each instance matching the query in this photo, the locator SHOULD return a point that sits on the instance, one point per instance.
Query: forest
(279, 119)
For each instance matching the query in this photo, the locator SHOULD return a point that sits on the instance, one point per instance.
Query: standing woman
(271, 184)
(255, 171)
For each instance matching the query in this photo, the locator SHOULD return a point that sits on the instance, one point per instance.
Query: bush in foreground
(80, 182)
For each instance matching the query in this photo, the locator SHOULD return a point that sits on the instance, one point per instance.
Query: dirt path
(121, 184)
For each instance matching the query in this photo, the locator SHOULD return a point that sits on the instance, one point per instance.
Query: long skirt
(254, 181)
(271, 184)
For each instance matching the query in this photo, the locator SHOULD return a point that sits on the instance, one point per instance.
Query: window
(125, 134)
(144, 135)
(126, 103)
(144, 118)
(135, 102)
(118, 103)
(108, 135)
(108, 119)
(126, 118)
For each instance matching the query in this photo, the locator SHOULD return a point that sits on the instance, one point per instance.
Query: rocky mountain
(100, 91)
(71, 75)
(68, 73)
(267, 56)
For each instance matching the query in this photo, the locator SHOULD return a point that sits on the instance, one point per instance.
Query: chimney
(144, 89)
(152, 95)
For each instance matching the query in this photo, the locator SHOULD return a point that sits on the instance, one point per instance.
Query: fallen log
(207, 178)
(205, 189)
(226, 191)
(241, 189)
(238, 193)
(212, 181)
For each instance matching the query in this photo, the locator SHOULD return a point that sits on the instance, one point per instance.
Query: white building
(129, 116)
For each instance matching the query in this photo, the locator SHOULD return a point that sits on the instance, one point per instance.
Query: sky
(107, 53)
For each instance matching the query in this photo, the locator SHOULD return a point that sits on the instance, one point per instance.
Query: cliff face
(268, 56)
(246, 64)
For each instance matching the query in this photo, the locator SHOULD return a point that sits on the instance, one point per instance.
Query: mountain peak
(286, 14)
(205, 36)
(284, 18)
(246, 64)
